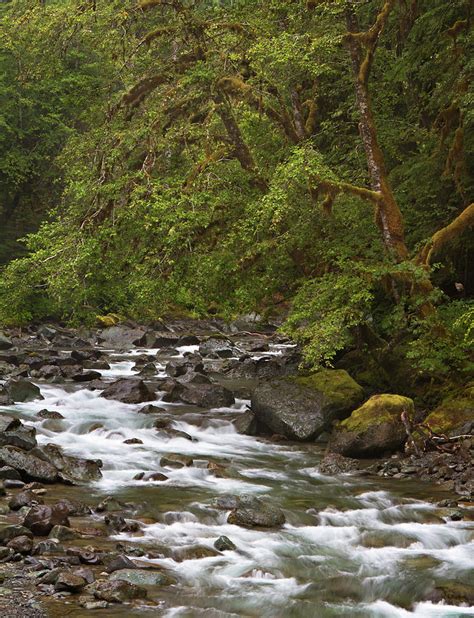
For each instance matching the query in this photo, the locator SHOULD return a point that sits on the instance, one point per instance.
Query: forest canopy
(311, 159)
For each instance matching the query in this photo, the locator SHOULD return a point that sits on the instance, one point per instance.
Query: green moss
(377, 410)
(336, 384)
(452, 413)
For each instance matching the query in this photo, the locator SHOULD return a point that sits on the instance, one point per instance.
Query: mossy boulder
(303, 407)
(455, 415)
(373, 429)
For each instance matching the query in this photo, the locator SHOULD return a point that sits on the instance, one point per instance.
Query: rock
(5, 342)
(14, 433)
(374, 428)
(110, 504)
(63, 533)
(6, 472)
(24, 498)
(86, 376)
(13, 484)
(151, 409)
(128, 390)
(6, 554)
(21, 544)
(334, 463)
(454, 416)
(176, 461)
(227, 503)
(84, 556)
(302, 408)
(133, 441)
(7, 533)
(118, 591)
(217, 347)
(144, 577)
(49, 414)
(155, 476)
(120, 337)
(194, 552)
(74, 470)
(18, 391)
(263, 517)
(69, 582)
(41, 519)
(223, 543)
(29, 466)
(202, 395)
(117, 523)
(49, 546)
(246, 423)
(452, 593)
(117, 563)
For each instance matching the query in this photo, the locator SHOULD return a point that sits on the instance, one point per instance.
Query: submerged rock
(302, 408)
(129, 390)
(5, 342)
(374, 428)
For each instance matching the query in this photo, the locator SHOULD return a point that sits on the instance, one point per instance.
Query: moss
(336, 384)
(377, 410)
(452, 413)
(111, 319)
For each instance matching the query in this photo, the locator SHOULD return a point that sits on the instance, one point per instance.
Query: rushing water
(352, 546)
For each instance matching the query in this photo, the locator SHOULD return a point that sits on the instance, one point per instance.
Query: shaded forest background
(214, 157)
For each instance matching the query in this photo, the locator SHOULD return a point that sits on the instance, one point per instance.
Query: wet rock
(194, 552)
(41, 519)
(86, 574)
(455, 414)
(63, 533)
(151, 409)
(70, 582)
(302, 408)
(73, 470)
(86, 376)
(223, 543)
(155, 476)
(133, 441)
(227, 503)
(7, 533)
(120, 337)
(29, 466)
(14, 433)
(21, 544)
(118, 591)
(176, 461)
(373, 429)
(117, 523)
(202, 395)
(453, 593)
(49, 546)
(13, 484)
(74, 508)
(117, 563)
(217, 347)
(110, 504)
(169, 433)
(334, 463)
(129, 390)
(24, 498)
(50, 414)
(246, 423)
(6, 554)
(6, 472)
(263, 517)
(18, 390)
(85, 555)
(144, 577)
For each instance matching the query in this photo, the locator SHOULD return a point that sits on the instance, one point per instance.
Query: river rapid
(352, 545)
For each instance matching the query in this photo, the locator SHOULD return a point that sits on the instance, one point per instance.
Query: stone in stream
(144, 577)
(48, 546)
(70, 582)
(334, 463)
(117, 562)
(218, 347)
(14, 433)
(129, 390)
(194, 552)
(72, 470)
(154, 476)
(118, 591)
(374, 428)
(223, 543)
(63, 533)
(302, 408)
(120, 337)
(27, 464)
(176, 461)
(18, 391)
(7, 472)
(42, 519)
(5, 342)
(50, 414)
(133, 441)
(21, 544)
(7, 533)
(86, 376)
(150, 408)
(24, 498)
(203, 395)
(263, 517)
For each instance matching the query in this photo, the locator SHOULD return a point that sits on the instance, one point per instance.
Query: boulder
(455, 414)
(246, 423)
(14, 433)
(334, 463)
(120, 337)
(5, 342)
(262, 517)
(30, 467)
(70, 582)
(373, 429)
(63, 533)
(223, 543)
(203, 395)
(302, 408)
(18, 391)
(21, 544)
(129, 390)
(151, 409)
(143, 577)
(24, 498)
(118, 591)
(7, 533)
(217, 347)
(74, 470)
(42, 519)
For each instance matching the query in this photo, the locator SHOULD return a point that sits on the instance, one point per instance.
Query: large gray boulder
(204, 395)
(14, 433)
(74, 470)
(18, 391)
(302, 408)
(30, 467)
(129, 390)
(120, 337)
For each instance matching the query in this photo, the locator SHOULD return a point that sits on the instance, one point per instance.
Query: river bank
(196, 517)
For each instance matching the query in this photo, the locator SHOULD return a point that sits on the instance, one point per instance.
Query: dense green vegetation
(213, 156)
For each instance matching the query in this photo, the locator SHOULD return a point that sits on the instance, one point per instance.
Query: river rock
(120, 337)
(24, 498)
(150, 408)
(30, 467)
(18, 391)
(63, 533)
(5, 342)
(263, 517)
(194, 552)
(374, 428)
(246, 423)
(455, 414)
(334, 463)
(129, 390)
(202, 395)
(70, 582)
(21, 544)
(302, 408)
(223, 543)
(176, 461)
(7, 472)
(144, 577)
(41, 519)
(118, 562)
(218, 348)
(50, 414)
(118, 591)
(74, 470)
(14, 433)
(7, 533)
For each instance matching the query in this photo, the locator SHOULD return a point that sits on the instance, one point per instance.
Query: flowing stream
(351, 546)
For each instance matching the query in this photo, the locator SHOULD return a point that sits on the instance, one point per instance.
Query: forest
(236, 308)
